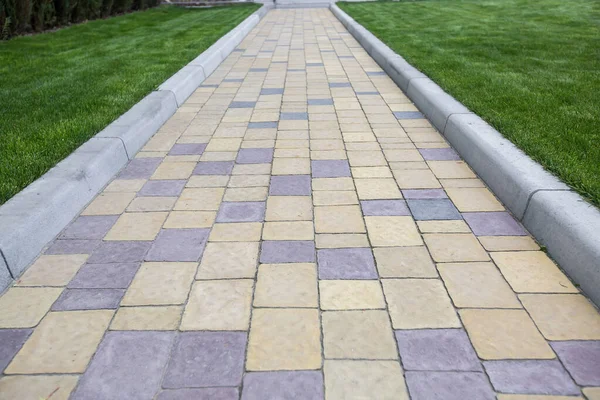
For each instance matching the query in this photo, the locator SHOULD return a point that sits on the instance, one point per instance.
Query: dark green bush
(121, 6)
(106, 8)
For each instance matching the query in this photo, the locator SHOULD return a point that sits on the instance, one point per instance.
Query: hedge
(25, 16)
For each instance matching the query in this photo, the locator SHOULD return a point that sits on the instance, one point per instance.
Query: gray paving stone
(424, 194)
(163, 188)
(352, 263)
(104, 276)
(296, 70)
(339, 84)
(330, 168)
(234, 79)
(206, 359)
(367, 93)
(213, 168)
(119, 252)
(293, 116)
(127, 365)
(494, 224)
(290, 185)
(434, 385)
(287, 251)
(581, 359)
(384, 207)
(376, 73)
(89, 227)
(200, 394)
(320, 102)
(242, 211)
(242, 104)
(408, 115)
(436, 350)
(73, 246)
(258, 69)
(88, 299)
(255, 156)
(262, 125)
(11, 341)
(283, 385)
(530, 377)
(433, 209)
(140, 168)
(178, 245)
(314, 64)
(271, 91)
(446, 154)
(187, 149)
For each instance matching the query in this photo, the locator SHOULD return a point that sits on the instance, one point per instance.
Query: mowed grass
(58, 89)
(529, 68)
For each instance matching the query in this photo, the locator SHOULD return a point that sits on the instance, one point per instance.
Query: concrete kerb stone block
(5, 276)
(570, 229)
(184, 82)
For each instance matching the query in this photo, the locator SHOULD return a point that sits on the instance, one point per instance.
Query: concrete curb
(559, 218)
(37, 214)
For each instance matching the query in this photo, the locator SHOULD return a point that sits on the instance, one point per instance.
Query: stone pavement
(297, 231)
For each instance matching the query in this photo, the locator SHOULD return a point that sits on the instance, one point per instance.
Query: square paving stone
(455, 247)
(150, 318)
(25, 307)
(137, 226)
(271, 91)
(119, 252)
(11, 341)
(404, 262)
(242, 104)
(330, 168)
(206, 359)
(178, 245)
(494, 224)
(425, 210)
(23, 387)
(353, 263)
(289, 208)
(128, 365)
(446, 154)
(424, 194)
(89, 227)
(247, 211)
(287, 251)
(161, 284)
(320, 102)
(262, 125)
(255, 156)
(384, 207)
(291, 166)
(140, 168)
(163, 188)
(200, 394)
(437, 350)
(213, 168)
(284, 339)
(52, 270)
(283, 385)
(449, 386)
(582, 360)
(88, 299)
(223, 260)
(530, 377)
(286, 285)
(187, 149)
(73, 246)
(339, 219)
(393, 231)
(290, 185)
(408, 115)
(351, 295)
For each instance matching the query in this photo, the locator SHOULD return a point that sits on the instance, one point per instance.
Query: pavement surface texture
(297, 230)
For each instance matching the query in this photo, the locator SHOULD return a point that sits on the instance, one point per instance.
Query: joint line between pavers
(6, 263)
(536, 191)
(443, 131)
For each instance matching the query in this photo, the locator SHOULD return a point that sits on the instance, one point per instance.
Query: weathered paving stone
(89, 227)
(24, 307)
(290, 185)
(163, 188)
(439, 154)
(178, 245)
(73, 246)
(449, 386)
(494, 224)
(104, 276)
(287, 251)
(140, 168)
(297, 385)
(11, 341)
(161, 283)
(88, 299)
(247, 211)
(119, 252)
(52, 270)
(384, 207)
(581, 359)
(128, 365)
(254, 156)
(351, 295)
(206, 359)
(355, 263)
(286, 285)
(425, 210)
(200, 394)
(185, 149)
(330, 168)
(57, 387)
(213, 168)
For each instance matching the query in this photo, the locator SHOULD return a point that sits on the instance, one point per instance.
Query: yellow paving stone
(393, 231)
(207, 181)
(477, 285)
(109, 204)
(190, 219)
(291, 144)
(292, 153)
(292, 125)
(64, 342)
(289, 208)
(563, 316)
(284, 339)
(240, 181)
(144, 204)
(451, 169)
(174, 170)
(161, 142)
(592, 393)
(426, 145)
(334, 198)
(181, 159)
(147, 318)
(24, 387)
(137, 226)
(403, 155)
(443, 227)
(376, 188)
(200, 199)
(362, 379)
(25, 307)
(229, 144)
(366, 159)
(371, 172)
(218, 156)
(319, 184)
(327, 144)
(454, 247)
(328, 155)
(474, 199)
(251, 169)
(409, 165)
(258, 144)
(350, 295)
(419, 303)
(286, 285)
(416, 179)
(339, 219)
(219, 305)
(288, 230)
(536, 397)
(125, 185)
(462, 183)
(532, 271)
(504, 334)
(52, 270)
(508, 243)
(345, 333)
(331, 241)
(237, 232)
(246, 194)
(229, 260)
(291, 166)
(404, 262)
(160, 283)
(151, 154)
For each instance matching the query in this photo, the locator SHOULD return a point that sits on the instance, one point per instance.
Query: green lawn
(529, 68)
(58, 89)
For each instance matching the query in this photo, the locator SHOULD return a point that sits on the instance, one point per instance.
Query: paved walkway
(297, 231)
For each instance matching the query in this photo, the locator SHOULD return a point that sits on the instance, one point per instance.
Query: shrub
(42, 15)
(106, 7)
(120, 6)
(23, 15)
